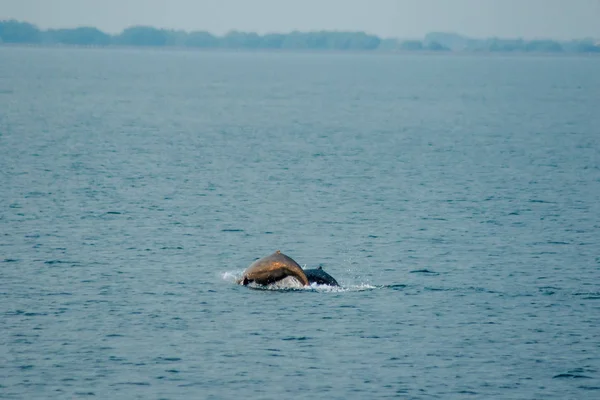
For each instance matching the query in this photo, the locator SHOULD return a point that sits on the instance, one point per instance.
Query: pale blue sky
(560, 19)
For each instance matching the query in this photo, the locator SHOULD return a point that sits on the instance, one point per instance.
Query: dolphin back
(273, 268)
(320, 277)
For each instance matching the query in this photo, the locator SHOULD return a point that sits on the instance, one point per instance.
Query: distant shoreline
(16, 33)
(217, 50)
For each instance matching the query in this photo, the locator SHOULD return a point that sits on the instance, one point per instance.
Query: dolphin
(320, 277)
(273, 268)
(278, 266)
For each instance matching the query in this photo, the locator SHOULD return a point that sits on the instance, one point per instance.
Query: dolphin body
(320, 277)
(278, 266)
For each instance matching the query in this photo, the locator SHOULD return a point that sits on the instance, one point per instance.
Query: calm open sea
(455, 198)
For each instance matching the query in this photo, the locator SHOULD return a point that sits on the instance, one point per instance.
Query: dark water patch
(232, 230)
(193, 384)
(11, 260)
(57, 262)
(113, 213)
(548, 287)
(36, 194)
(438, 289)
(85, 394)
(94, 301)
(397, 286)
(131, 384)
(424, 271)
(571, 376)
(586, 387)
(296, 338)
(167, 359)
(114, 335)
(492, 222)
(22, 341)
(548, 290)
(588, 295)
(537, 254)
(16, 312)
(470, 289)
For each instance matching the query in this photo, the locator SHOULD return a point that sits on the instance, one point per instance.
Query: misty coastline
(14, 32)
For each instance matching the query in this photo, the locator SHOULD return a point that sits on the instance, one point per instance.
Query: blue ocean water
(455, 198)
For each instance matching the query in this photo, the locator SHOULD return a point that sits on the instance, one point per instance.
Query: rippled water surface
(455, 198)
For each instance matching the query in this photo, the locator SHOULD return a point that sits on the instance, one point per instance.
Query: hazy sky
(560, 19)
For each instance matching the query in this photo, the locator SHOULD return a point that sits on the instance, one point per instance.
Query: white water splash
(232, 276)
(291, 283)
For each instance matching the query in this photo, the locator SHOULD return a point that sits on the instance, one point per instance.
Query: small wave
(424, 271)
(571, 376)
(586, 387)
(588, 295)
(396, 286)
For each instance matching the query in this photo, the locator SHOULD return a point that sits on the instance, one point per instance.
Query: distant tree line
(457, 42)
(16, 32)
(24, 33)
